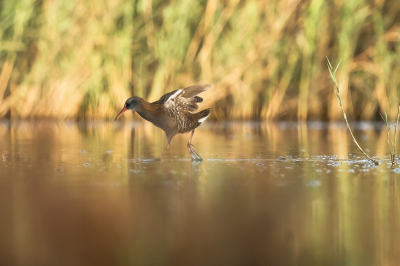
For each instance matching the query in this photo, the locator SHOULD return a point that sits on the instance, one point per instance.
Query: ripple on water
(135, 171)
(314, 183)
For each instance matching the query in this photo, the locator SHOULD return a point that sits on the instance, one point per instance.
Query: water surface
(265, 194)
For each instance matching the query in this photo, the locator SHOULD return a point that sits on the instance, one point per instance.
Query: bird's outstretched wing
(184, 99)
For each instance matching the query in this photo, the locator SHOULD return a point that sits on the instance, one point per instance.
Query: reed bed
(266, 59)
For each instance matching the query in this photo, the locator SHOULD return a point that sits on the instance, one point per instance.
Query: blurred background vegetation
(81, 59)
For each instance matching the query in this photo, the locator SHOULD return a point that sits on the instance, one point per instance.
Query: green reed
(81, 59)
(338, 89)
(391, 144)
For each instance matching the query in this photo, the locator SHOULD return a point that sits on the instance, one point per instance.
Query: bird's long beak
(120, 113)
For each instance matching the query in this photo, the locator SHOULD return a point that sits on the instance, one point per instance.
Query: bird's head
(130, 104)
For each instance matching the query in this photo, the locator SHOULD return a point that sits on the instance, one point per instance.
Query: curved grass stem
(337, 93)
(392, 146)
(395, 133)
(391, 149)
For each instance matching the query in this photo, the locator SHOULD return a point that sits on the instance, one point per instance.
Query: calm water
(86, 194)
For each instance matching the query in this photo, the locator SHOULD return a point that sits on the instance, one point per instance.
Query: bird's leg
(193, 153)
(169, 138)
(159, 157)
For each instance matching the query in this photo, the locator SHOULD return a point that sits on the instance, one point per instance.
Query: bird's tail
(203, 115)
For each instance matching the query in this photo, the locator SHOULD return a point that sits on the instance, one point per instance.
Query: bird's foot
(195, 156)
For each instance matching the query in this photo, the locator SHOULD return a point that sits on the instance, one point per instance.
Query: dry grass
(81, 59)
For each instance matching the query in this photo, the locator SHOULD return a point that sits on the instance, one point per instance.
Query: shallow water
(265, 194)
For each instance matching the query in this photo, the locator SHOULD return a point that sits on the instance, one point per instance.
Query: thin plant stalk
(337, 93)
(395, 133)
(392, 148)
(386, 120)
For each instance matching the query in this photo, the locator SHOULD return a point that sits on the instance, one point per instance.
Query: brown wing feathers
(195, 90)
(191, 98)
(189, 94)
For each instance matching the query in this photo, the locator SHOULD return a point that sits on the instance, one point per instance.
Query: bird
(174, 113)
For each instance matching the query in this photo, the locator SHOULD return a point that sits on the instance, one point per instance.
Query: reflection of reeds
(337, 93)
(80, 59)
